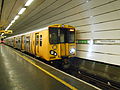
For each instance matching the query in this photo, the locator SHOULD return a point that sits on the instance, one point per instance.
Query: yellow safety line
(55, 77)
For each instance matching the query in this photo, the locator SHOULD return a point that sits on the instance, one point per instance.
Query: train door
(28, 43)
(22, 42)
(19, 42)
(41, 51)
(37, 44)
(32, 44)
(14, 42)
(63, 43)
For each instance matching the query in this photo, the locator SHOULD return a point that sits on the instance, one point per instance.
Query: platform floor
(22, 72)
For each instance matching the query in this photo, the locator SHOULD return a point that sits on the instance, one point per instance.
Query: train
(54, 42)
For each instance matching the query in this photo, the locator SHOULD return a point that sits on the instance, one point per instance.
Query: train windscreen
(53, 35)
(61, 35)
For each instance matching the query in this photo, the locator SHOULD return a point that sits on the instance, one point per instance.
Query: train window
(18, 41)
(53, 35)
(27, 39)
(71, 35)
(62, 36)
(67, 35)
(40, 40)
(37, 38)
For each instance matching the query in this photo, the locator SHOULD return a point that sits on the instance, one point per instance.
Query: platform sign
(83, 41)
(6, 32)
(107, 41)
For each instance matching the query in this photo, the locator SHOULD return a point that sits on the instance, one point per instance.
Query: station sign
(83, 41)
(107, 41)
(6, 32)
(100, 41)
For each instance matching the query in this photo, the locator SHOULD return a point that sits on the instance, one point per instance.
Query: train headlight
(51, 52)
(55, 54)
(72, 51)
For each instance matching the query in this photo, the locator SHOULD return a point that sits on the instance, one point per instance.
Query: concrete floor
(18, 74)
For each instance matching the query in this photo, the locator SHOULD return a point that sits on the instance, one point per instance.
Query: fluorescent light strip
(28, 2)
(21, 11)
(8, 26)
(16, 17)
(13, 21)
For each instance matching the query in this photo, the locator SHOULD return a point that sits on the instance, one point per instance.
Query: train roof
(45, 28)
(61, 25)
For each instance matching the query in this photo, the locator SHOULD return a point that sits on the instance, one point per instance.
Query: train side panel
(41, 44)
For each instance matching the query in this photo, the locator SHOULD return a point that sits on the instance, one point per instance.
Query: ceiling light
(28, 2)
(10, 24)
(16, 17)
(22, 10)
(8, 27)
(12, 21)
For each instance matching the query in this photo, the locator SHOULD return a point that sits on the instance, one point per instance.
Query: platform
(22, 72)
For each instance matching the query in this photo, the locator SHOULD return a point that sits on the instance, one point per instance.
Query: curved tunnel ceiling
(39, 14)
(8, 10)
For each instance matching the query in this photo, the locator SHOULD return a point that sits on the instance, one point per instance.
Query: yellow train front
(54, 42)
(61, 42)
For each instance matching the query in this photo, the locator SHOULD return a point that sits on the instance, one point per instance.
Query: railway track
(95, 80)
(99, 82)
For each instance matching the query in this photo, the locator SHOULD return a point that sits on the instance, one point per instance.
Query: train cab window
(53, 35)
(67, 35)
(71, 35)
(40, 40)
(61, 35)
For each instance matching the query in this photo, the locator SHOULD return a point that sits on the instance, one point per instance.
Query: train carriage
(50, 43)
